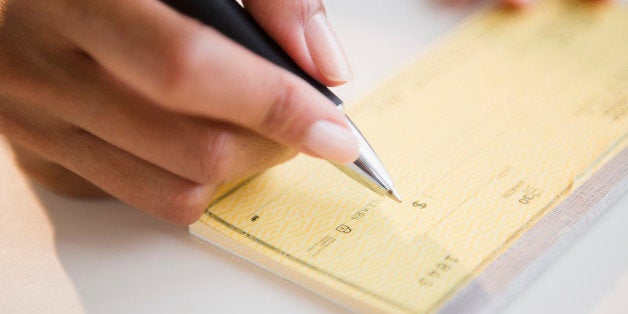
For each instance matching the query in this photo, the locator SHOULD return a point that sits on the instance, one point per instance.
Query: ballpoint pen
(233, 21)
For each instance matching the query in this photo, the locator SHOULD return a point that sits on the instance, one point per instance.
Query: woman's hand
(156, 109)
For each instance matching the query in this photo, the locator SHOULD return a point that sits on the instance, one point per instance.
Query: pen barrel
(233, 21)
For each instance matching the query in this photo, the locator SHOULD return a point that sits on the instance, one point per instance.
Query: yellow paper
(483, 136)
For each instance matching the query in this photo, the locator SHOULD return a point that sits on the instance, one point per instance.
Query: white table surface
(64, 256)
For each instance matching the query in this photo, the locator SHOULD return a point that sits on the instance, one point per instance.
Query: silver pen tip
(394, 195)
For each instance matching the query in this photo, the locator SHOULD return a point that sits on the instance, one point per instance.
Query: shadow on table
(123, 261)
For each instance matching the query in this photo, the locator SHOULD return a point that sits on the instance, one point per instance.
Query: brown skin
(137, 101)
(133, 100)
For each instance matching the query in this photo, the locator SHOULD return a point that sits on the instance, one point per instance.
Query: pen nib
(394, 195)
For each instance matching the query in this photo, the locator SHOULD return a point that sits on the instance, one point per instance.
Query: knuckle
(179, 65)
(186, 204)
(284, 110)
(211, 154)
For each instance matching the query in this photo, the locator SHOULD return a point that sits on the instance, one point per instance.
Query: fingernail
(332, 142)
(325, 49)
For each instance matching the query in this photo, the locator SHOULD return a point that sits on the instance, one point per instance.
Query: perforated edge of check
(511, 272)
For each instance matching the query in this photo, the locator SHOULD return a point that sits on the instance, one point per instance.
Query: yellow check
(484, 136)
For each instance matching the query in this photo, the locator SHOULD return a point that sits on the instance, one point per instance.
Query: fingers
(302, 29)
(53, 176)
(194, 70)
(118, 173)
(197, 149)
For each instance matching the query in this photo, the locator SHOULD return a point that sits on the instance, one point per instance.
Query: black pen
(233, 21)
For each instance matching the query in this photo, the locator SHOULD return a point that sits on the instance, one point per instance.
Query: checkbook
(511, 136)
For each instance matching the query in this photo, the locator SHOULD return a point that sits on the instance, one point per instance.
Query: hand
(156, 109)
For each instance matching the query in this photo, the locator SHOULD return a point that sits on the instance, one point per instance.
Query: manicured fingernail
(325, 49)
(332, 142)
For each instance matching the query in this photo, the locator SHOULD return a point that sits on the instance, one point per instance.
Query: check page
(484, 135)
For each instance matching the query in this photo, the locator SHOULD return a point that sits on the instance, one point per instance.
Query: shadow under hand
(124, 261)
